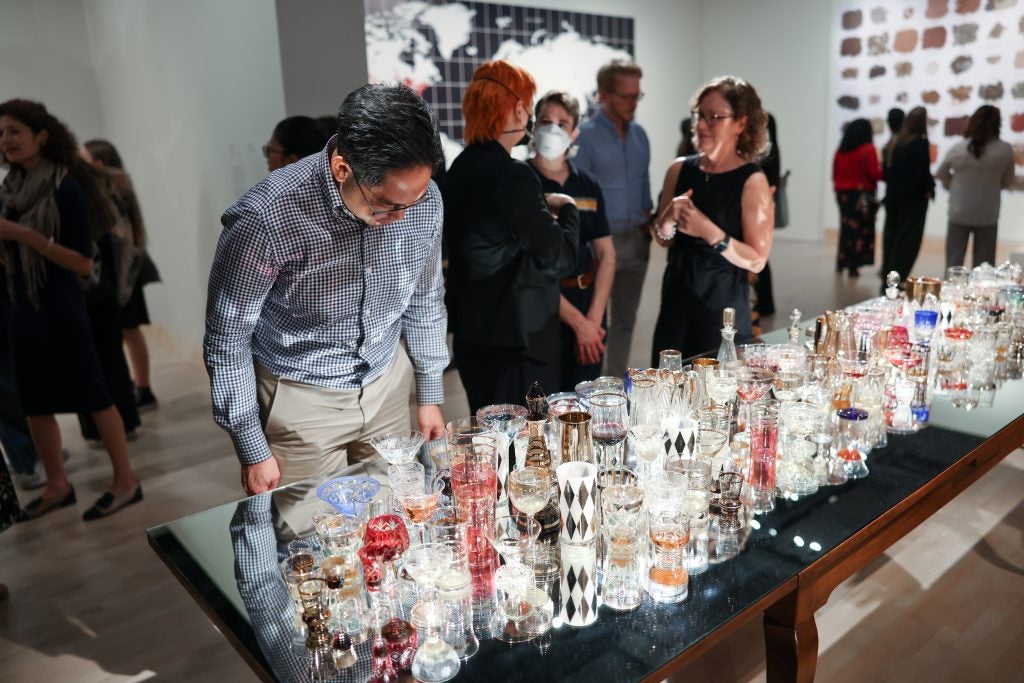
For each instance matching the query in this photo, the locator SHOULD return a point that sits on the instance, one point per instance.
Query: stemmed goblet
(436, 661)
(530, 489)
(398, 447)
(752, 383)
(419, 502)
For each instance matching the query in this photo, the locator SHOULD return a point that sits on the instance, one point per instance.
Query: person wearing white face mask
(585, 291)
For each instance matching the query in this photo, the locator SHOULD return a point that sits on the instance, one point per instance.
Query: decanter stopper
(892, 284)
(537, 403)
(728, 317)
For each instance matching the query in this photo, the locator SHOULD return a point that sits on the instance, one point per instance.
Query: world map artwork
(434, 48)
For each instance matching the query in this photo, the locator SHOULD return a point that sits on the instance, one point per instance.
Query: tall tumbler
(577, 503)
(474, 486)
(577, 441)
(764, 434)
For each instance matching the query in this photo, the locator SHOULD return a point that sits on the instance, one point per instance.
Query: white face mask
(550, 141)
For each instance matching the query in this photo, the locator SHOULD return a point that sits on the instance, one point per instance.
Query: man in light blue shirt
(615, 150)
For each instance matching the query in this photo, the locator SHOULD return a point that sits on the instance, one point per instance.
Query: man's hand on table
(263, 476)
(430, 421)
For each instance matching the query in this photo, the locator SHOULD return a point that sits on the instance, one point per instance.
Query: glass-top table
(792, 558)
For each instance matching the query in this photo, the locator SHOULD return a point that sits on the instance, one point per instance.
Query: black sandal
(36, 509)
(108, 505)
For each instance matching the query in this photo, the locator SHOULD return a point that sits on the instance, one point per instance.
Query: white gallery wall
(189, 90)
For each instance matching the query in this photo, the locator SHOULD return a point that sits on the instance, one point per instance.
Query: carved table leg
(791, 641)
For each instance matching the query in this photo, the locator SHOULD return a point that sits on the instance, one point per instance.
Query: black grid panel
(494, 24)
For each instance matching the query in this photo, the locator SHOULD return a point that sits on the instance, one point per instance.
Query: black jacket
(506, 253)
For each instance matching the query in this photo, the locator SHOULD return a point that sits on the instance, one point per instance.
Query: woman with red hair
(508, 243)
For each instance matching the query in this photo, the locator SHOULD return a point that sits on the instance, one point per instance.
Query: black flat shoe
(108, 504)
(36, 508)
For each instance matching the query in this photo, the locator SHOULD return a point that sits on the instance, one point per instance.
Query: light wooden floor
(91, 602)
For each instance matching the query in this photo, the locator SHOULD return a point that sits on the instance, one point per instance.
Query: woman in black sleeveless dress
(716, 217)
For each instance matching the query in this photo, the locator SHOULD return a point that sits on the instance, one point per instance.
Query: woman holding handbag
(104, 157)
(855, 176)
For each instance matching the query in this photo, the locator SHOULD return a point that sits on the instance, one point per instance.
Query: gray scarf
(32, 194)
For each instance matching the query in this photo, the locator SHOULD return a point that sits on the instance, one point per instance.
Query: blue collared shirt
(621, 166)
(311, 293)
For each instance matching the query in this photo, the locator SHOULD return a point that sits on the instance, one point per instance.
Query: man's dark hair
(300, 135)
(386, 127)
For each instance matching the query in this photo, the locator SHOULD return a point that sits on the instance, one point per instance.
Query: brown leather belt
(581, 281)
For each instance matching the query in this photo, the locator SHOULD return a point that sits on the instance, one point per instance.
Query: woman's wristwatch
(722, 245)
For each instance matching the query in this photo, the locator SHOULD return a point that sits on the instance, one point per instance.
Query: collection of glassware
(531, 518)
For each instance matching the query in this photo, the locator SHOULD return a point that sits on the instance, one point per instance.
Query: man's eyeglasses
(267, 150)
(381, 212)
(710, 119)
(630, 98)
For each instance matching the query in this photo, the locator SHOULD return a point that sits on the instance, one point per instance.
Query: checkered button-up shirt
(310, 292)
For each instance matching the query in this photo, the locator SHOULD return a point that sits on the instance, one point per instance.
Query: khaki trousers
(318, 434)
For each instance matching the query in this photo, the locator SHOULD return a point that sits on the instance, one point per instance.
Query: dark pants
(500, 374)
(571, 371)
(984, 244)
(14, 432)
(904, 228)
(107, 335)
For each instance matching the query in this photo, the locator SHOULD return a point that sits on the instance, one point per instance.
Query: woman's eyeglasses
(710, 119)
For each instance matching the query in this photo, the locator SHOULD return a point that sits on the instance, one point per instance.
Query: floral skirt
(857, 211)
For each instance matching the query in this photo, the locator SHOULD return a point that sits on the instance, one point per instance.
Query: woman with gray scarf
(46, 202)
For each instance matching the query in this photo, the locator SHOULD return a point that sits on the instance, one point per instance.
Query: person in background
(686, 146)
(294, 138)
(615, 150)
(15, 437)
(717, 218)
(49, 198)
(322, 269)
(894, 120)
(909, 187)
(507, 252)
(586, 289)
(855, 176)
(10, 510)
(771, 164)
(974, 171)
(105, 158)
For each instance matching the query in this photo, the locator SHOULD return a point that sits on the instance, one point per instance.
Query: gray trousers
(984, 244)
(632, 251)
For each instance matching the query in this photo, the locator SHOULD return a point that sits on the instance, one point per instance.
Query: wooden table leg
(791, 640)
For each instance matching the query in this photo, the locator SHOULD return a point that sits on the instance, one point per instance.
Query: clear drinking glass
(398, 447)
(435, 661)
(609, 426)
(764, 434)
(530, 489)
(420, 502)
(649, 441)
(752, 384)
(669, 531)
(671, 360)
(720, 386)
(621, 505)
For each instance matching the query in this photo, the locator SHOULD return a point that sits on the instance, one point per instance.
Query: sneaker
(144, 399)
(36, 480)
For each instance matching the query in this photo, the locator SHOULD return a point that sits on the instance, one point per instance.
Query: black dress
(582, 187)
(506, 254)
(908, 187)
(55, 360)
(699, 282)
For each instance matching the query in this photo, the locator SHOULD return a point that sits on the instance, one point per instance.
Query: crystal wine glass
(398, 447)
(649, 440)
(752, 384)
(419, 503)
(512, 537)
(530, 489)
(720, 386)
(435, 661)
(610, 425)
(506, 419)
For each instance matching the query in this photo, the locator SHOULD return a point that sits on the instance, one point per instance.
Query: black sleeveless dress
(699, 282)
